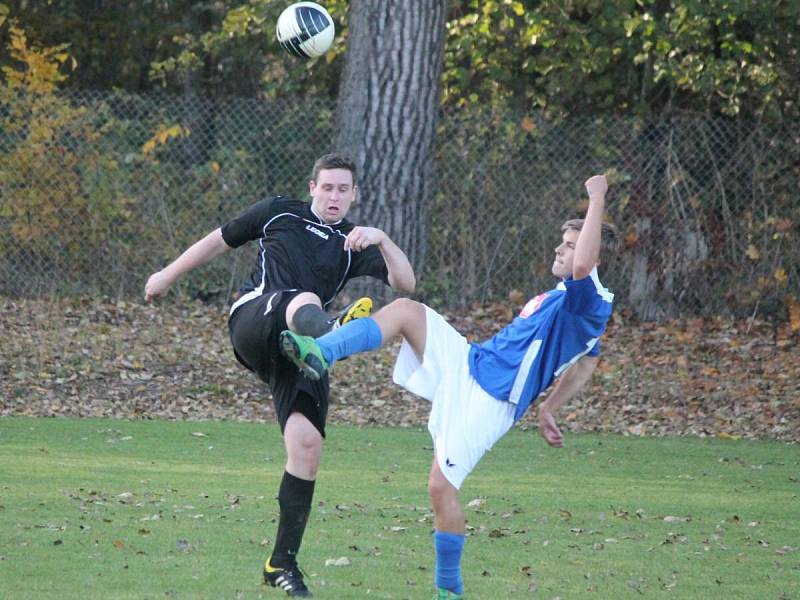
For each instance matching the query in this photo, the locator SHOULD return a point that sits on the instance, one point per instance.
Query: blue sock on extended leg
(449, 547)
(360, 335)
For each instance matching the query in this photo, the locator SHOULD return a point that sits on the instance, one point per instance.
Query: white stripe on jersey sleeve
(524, 369)
(589, 345)
(602, 291)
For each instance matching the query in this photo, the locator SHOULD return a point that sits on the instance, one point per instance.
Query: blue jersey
(551, 333)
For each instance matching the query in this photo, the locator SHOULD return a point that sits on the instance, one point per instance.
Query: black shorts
(255, 329)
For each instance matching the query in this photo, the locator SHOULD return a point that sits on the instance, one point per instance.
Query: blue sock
(449, 547)
(359, 335)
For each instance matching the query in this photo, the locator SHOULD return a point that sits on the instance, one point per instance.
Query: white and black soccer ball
(305, 29)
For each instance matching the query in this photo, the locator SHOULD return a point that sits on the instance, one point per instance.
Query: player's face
(565, 253)
(332, 194)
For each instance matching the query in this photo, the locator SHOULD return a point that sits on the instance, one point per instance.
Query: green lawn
(150, 509)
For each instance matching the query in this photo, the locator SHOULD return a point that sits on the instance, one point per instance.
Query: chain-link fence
(98, 190)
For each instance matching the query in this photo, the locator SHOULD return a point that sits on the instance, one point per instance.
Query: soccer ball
(305, 29)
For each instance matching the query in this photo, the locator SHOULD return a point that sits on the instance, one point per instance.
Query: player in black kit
(306, 253)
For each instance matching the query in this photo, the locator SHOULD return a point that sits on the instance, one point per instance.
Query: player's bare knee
(310, 445)
(305, 455)
(439, 489)
(405, 305)
(406, 315)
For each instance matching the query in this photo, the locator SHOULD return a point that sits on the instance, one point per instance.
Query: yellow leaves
(3, 14)
(162, 136)
(19, 40)
(40, 70)
(54, 141)
(780, 275)
(752, 252)
(40, 133)
(518, 8)
(13, 78)
(174, 131)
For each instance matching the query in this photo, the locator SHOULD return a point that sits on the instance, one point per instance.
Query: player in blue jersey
(478, 391)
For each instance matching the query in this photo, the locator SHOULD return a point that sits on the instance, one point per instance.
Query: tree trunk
(388, 105)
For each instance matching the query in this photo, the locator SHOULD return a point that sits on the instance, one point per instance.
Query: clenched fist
(596, 186)
(156, 286)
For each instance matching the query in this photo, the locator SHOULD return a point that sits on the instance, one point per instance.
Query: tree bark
(388, 106)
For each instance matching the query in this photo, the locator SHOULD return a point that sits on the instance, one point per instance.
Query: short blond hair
(608, 233)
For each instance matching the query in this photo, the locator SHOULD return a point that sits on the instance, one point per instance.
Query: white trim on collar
(321, 220)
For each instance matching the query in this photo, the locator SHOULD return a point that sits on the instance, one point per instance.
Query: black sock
(311, 320)
(294, 498)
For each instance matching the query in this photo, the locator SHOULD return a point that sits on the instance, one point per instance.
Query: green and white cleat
(304, 352)
(443, 594)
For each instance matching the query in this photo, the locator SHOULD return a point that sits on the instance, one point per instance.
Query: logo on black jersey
(316, 231)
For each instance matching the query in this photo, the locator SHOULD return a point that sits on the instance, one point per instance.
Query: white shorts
(465, 421)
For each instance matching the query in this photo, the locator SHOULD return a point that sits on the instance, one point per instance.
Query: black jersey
(299, 251)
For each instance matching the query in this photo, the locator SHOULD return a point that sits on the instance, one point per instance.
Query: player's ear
(312, 185)
(355, 193)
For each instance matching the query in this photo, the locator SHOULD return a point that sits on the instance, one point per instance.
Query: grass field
(161, 509)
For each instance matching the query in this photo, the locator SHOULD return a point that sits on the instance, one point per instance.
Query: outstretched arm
(570, 382)
(196, 255)
(587, 248)
(401, 274)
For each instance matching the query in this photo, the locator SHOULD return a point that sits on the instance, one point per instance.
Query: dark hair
(608, 233)
(333, 161)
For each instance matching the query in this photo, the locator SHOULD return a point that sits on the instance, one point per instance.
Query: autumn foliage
(53, 169)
